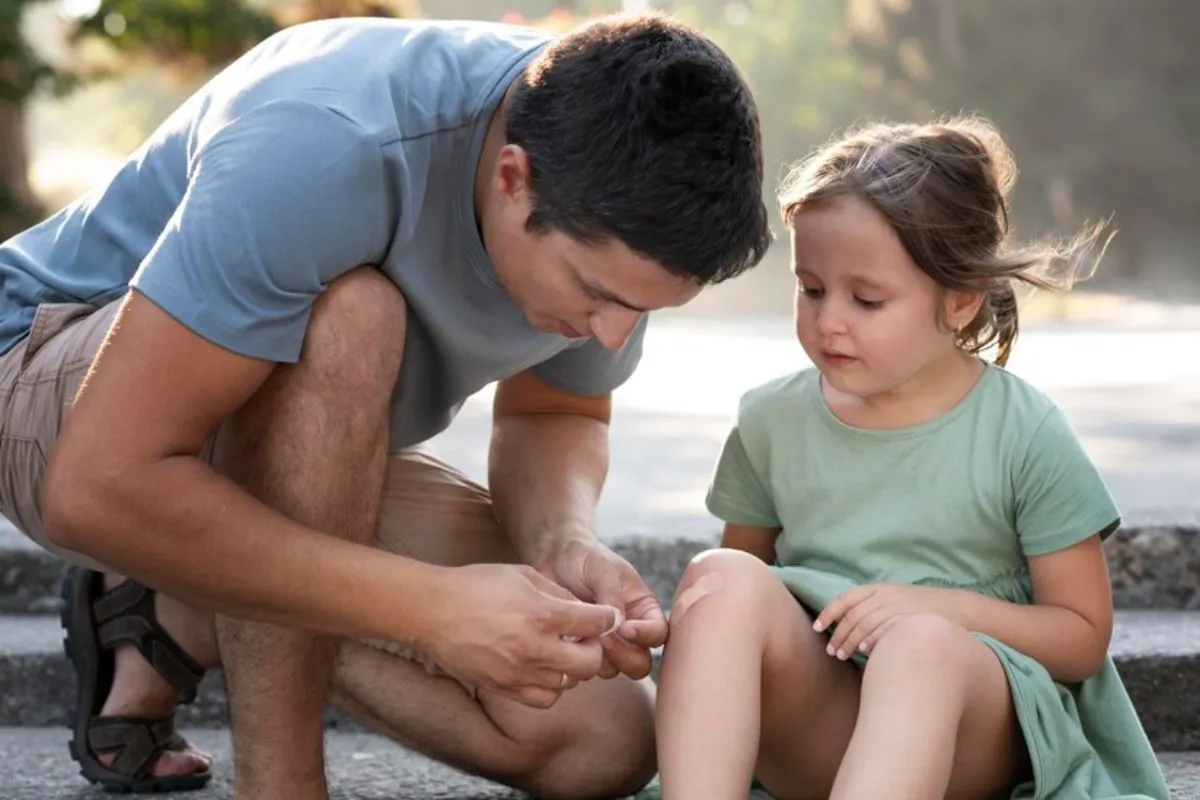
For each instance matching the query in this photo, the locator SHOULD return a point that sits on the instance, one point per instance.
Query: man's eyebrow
(600, 293)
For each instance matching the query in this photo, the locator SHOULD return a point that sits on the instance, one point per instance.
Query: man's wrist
(409, 599)
(549, 545)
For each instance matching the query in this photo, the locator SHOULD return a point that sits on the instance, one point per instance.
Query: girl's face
(866, 315)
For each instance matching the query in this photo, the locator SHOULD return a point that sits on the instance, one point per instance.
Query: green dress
(961, 501)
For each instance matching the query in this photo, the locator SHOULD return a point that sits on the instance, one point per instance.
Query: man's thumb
(592, 620)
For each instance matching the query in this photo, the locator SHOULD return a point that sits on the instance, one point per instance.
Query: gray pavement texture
(360, 767)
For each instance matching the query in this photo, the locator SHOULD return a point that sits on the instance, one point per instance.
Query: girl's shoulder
(778, 395)
(1009, 403)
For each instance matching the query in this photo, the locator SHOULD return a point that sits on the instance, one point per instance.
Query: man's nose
(613, 325)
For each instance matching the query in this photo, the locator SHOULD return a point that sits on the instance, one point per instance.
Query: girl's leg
(746, 687)
(935, 720)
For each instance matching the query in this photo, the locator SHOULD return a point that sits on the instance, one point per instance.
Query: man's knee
(356, 331)
(604, 747)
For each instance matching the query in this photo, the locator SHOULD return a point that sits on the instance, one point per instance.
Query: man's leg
(312, 443)
(596, 742)
(39, 378)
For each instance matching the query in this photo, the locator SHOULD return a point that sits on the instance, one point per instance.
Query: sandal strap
(126, 614)
(139, 740)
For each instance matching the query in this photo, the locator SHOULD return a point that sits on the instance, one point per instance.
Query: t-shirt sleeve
(1061, 499)
(280, 202)
(737, 493)
(590, 369)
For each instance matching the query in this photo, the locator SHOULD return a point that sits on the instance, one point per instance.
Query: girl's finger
(868, 644)
(851, 622)
(841, 604)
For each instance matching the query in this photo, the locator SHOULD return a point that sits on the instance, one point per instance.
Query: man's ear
(513, 172)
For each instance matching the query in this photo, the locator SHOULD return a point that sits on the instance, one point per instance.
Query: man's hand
(509, 630)
(864, 614)
(594, 573)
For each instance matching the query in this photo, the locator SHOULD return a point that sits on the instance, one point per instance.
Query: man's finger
(547, 586)
(580, 620)
(627, 658)
(608, 669)
(646, 629)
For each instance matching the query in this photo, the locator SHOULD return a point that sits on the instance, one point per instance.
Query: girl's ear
(962, 307)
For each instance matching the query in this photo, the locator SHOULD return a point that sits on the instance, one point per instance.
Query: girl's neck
(925, 396)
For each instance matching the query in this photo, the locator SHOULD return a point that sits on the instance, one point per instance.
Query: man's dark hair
(641, 129)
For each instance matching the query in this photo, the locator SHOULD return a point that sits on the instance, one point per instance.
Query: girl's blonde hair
(944, 188)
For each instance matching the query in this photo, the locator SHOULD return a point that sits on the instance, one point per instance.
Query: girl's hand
(864, 614)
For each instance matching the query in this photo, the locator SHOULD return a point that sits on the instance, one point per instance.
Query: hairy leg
(312, 443)
(596, 742)
(936, 718)
(747, 689)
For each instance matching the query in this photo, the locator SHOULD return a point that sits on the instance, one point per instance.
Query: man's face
(561, 284)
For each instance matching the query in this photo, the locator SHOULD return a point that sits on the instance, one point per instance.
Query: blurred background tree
(112, 37)
(1097, 97)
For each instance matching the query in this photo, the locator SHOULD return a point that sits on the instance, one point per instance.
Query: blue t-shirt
(330, 145)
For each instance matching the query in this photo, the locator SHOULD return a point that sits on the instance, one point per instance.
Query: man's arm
(548, 463)
(126, 487)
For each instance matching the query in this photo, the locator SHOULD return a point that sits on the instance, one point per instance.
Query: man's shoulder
(398, 79)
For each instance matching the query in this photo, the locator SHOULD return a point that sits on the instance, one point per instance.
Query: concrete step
(1157, 653)
(360, 767)
(1152, 566)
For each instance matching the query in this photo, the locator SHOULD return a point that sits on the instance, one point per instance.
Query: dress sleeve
(1061, 498)
(737, 493)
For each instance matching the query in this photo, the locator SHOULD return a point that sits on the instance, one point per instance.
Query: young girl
(911, 599)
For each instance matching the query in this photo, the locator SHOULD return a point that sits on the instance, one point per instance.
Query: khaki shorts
(429, 510)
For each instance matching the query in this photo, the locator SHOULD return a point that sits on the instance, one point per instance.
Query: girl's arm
(1069, 627)
(753, 540)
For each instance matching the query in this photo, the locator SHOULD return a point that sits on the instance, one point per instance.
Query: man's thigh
(434, 513)
(39, 379)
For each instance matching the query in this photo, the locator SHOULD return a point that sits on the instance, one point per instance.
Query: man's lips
(569, 332)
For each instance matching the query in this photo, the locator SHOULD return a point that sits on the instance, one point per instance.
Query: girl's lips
(837, 359)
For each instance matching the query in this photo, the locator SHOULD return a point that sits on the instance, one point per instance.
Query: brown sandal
(96, 622)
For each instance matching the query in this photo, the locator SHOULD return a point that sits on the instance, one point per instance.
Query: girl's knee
(719, 581)
(926, 640)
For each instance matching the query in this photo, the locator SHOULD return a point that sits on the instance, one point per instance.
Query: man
(218, 369)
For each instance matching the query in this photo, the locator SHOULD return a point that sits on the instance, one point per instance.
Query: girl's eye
(811, 292)
(868, 303)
